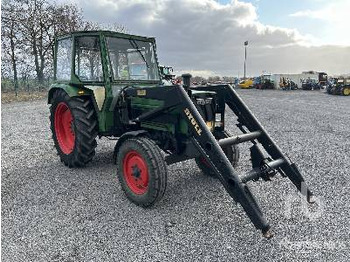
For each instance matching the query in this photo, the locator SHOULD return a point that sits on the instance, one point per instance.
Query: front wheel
(141, 170)
(231, 152)
(74, 128)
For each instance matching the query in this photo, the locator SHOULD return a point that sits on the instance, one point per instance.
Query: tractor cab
(99, 56)
(322, 79)
(99, 65)
(102, 65)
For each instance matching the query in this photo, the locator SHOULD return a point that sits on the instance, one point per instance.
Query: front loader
(109, 84)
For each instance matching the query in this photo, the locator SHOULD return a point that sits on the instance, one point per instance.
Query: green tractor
(339, 86)
(109, 84)
(264, 82)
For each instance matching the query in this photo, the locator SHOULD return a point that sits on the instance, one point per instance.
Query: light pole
(245, 58)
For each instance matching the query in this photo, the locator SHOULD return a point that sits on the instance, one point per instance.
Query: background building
(296, 78)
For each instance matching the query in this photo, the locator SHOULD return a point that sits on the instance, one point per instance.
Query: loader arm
(234, 184)
(264, 166)
(209, 148)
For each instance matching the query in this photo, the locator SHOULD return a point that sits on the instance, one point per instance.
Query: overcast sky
(205, 37)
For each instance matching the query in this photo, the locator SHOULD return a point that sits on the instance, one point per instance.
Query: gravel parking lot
(53, 213)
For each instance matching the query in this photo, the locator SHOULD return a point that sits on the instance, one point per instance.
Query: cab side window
(64, 59)
(88, 64)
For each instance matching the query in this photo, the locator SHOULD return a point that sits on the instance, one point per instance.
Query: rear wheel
(141, 170)
(231, 152)
(74, 128)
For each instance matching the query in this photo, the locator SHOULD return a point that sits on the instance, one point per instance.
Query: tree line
(28, 28)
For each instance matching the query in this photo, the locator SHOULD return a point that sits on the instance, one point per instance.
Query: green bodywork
(104, 100)
(76, 87)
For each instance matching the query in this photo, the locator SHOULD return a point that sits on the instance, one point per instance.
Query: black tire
(142, 194)
(84, 125)
(232, 153)
(334, 91)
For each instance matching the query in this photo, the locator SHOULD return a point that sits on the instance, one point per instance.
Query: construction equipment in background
(310, 84)
(287, 84)
(332, 81)
(339, 86)
(109, 84)
(264, 82)
(246, 83)
(322, 79)
(167, 74)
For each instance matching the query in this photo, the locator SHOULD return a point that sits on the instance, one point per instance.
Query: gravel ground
(53, 213)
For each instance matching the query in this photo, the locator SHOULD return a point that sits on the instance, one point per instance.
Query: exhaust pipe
(186, 80)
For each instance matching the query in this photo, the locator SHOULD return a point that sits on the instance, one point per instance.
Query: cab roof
(106, 33)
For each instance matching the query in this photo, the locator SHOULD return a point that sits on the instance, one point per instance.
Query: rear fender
(72, 91)
(81, 91)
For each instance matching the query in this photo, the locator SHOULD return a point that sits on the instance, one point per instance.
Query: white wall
(296, 78)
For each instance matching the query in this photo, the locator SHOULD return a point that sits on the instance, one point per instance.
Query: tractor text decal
(193, 121)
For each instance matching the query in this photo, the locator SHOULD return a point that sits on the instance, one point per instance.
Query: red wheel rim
(135, 172)
(63, 128)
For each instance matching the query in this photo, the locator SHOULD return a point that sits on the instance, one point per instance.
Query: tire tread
(85, 122)
(158, 169)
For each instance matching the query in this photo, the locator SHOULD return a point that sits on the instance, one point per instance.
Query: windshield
(132, 59)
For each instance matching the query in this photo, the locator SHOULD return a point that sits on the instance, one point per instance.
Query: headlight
(204, 101)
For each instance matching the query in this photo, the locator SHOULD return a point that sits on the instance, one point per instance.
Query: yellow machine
(247, 83)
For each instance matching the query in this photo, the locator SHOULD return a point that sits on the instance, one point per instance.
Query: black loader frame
(204, 144)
